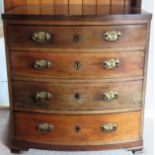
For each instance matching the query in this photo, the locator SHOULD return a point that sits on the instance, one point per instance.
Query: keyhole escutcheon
(77, 96)
(77, 129)
(76, 38)
(77, 65)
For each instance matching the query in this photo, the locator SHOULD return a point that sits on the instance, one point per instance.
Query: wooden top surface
(64, 11)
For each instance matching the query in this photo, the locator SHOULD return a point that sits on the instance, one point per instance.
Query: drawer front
(77, 130)
(77, 96)
(77, 65)
(107, 37)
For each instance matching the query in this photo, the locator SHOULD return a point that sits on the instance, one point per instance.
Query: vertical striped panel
(49, 4)
(103, 7)
(75, 7)
(117, 6)
(46, 2)
(117, 2)
(61, 7)
(16, 3)
(33, 2)
(87, 4)
(89, 7)
(127, 2)
(127, 5)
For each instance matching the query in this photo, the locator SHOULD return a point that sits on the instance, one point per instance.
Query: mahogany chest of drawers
(77, 73)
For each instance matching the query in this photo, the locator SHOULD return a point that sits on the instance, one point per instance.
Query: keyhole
(76, 38)
(77, 129)
(77, 65)
(77, 96)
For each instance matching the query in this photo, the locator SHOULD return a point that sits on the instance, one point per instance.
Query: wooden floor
(4, 143)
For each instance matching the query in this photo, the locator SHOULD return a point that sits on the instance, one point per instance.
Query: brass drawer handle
(109, 127)
(109, 96)
(45, 128)
(111, 64)
(42, 37)
(42, 64)
(76, 37)
(42, 96)
(112, 36)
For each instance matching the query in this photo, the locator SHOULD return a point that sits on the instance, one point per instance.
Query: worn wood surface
(33, 15)
(90, 65)
(79, 111)
(23, 145)
(90, 37)
(77, 97)
(64, 132)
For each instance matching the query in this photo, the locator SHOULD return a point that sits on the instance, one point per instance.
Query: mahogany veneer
(78, 65)
(79, 97)
(77, 73)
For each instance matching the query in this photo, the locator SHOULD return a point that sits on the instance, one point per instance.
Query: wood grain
(64, 65)
(75, 7)
(7, 5)
(79, 111)
(114, 8)
(106, 20)
(61, 7)
(64, 132)
(90, 37)
(77, 96)
(89, 7)
(46, 2)
(118, 2)
(101, 9)
(23, 145)
(50, 4)
(17, 3)
(145, 75)
(66, 10)
(87, 4)
(34, 2)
